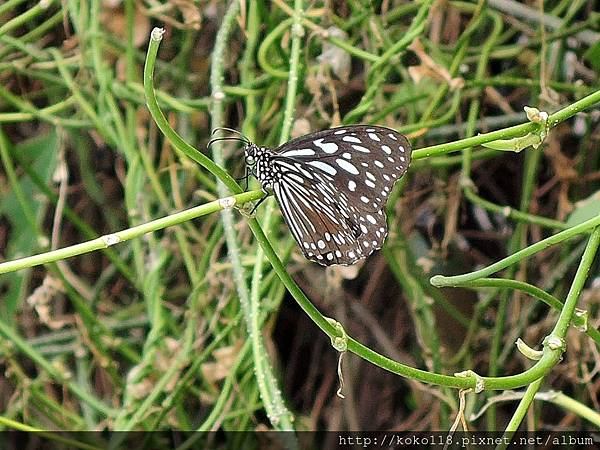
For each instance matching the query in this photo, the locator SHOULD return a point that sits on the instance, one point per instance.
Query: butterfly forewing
(332, 187)
(364, 160)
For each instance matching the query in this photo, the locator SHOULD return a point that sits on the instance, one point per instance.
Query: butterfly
(332, 187)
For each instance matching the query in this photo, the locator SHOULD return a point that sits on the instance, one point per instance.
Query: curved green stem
(442, 281)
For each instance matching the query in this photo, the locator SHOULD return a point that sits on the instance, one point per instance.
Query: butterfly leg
(258, 203)
(245, 178)
(244, 208)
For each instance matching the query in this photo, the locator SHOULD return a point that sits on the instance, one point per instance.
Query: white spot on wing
(352, 139)
(374, 137)
(352, 185)
(327, 147)
(348, 167)
(386, 149)
(299, 152)
(360, 148)
(324, 166)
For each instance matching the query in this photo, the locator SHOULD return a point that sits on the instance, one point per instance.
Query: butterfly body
(332, 187)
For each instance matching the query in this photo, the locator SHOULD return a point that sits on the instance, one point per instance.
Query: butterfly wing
(364, 160)
(332, 190)
(322, 232)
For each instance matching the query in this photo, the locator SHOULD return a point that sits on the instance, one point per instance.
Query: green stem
(442, 281)
(510, 132)
(521, 410)
(130, 233)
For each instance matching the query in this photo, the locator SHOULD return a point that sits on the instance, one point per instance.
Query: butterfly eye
(250, 160)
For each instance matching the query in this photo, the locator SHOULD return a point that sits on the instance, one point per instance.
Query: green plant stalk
(28, 15)
(566, 402)
(469, 193)
(82, 226)
(278, 414)
(33, 113)
(510, 132)
(164, 126)
(130, 233)
(10, 5)
(520, 412)
(399, 47)
(510, 212)
(444, 118)
(354, 51)
(247, 69)
(560, 329)
(38, 31)
(578, 322)
(262, 55)
(85, 106)
(407, 274)
(500, 383)
(584, 227)
(71, 443)
(16, 187)
(159, 387)
(459, 54)
(379, 71)
(169, 402)
(568, 309)
(516, 241)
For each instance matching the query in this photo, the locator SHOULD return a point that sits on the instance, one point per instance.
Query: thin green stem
(129, 233)
(584, 227)
(510, 132)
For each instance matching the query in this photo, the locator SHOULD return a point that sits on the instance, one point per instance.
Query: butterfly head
(251, 154)
(254, 156)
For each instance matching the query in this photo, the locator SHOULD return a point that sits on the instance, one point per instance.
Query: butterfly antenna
(230, 138)
(230, 130)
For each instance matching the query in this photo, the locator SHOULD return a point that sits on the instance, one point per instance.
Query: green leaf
(592, 56)
(585, 210)
(40, 153)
